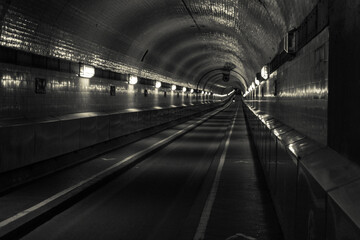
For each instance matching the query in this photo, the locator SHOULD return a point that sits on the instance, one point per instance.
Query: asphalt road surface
(153, 200)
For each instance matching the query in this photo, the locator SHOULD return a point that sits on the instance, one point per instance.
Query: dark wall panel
(344, 83)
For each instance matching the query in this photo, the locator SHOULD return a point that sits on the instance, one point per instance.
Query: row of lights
(173, 87)
(134, 79)
(87, 71)
(265, 73)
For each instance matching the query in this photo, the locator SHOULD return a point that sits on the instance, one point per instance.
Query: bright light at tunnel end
(184, 89)
(173, 87)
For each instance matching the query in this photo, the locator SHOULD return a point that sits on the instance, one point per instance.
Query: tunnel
(179, 119)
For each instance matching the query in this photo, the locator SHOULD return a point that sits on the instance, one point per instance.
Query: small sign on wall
(112, 91)
(40, 85)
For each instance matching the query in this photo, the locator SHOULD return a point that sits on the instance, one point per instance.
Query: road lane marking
(109, 169)
(204, 219)
(243, 236)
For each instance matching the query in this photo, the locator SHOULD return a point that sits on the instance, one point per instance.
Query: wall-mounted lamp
(86, 71)
(191, 90)
(173, 87)
(133, 79)
(184, 89)
(265, 72)
(158, 84)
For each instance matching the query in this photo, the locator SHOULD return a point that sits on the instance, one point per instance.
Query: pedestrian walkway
(243, 208)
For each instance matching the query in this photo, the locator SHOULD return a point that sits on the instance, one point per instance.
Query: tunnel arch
(148, 37)
(237, 78)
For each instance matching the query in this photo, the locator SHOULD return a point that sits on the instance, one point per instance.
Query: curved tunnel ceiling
(176, 41)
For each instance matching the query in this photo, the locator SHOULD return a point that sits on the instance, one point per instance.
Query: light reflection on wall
(156, 96)
(131, 88)
(297, 93)
(84, 83)
(228, 41)
(18, 32)
(9, 81)
(223, 12)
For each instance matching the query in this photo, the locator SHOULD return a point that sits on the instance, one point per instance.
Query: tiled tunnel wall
(106, 34)
(69, 36)
(314, 183)
(77, 113)
(67, 93)
(297, 92)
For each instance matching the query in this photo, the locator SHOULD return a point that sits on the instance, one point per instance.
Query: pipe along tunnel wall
(312, 186)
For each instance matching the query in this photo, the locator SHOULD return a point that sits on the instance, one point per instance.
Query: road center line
(205, 216)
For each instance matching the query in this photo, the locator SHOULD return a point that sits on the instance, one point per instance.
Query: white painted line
(204, 219)
(138, 154)
(240, 235)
